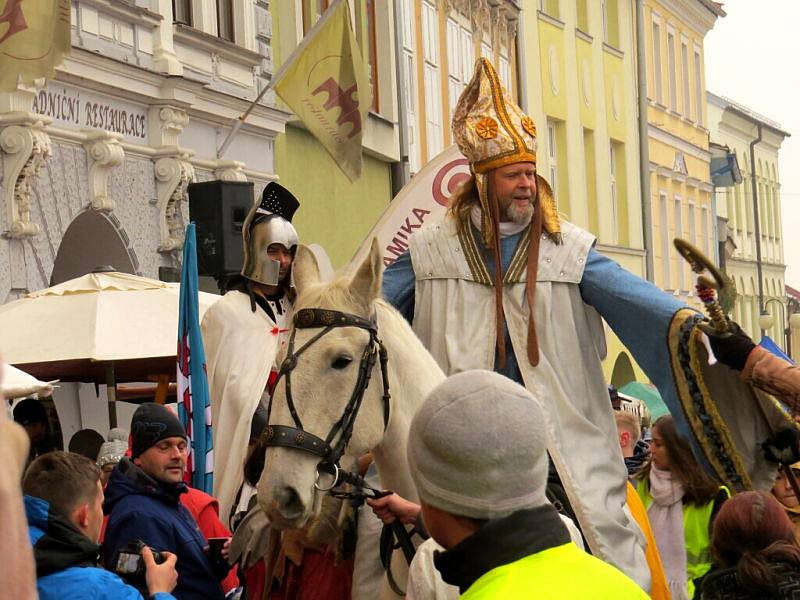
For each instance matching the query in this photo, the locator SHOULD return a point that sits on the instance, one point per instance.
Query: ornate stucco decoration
(171, 121)
(462, 6)
(481, 16)
(173, 176)
(104, 153)
(229, 170)
(25, 147)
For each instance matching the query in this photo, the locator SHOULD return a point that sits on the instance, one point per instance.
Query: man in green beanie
(477, 452)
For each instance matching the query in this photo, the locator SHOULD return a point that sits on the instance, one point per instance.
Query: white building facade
(95, 163)
(735, 126)
(106, 149)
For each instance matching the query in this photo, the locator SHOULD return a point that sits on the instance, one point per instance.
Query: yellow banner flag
(34, 37)
(326, 84)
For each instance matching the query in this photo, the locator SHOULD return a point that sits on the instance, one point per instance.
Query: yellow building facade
(335, 212)
(680, 186)
(579, 86)
(736, 127)
(440, 41)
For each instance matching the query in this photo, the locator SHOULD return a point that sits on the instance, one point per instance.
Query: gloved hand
(251, 539)
(784, 448)
(732, 349)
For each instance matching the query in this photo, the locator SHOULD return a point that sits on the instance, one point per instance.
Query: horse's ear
(367, 280)
(305, 270)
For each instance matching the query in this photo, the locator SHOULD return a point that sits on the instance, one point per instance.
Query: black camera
(130, 565)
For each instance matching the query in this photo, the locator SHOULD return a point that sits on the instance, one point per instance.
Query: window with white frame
(552, 157)
(486, 48)
(432, 81)
(698, 87)
(504, 69)
(609, 10)
(706, 233)
(604, 21)
(665, 246)
(687, 103)
(312, 11)
(692, 225)
(225, 19)
(409, 83)
(460, 56)
(182, 11)
(673, 75)
(372, 53)
(614, 203)
(678, 217)
(583, 15)
(658, 72)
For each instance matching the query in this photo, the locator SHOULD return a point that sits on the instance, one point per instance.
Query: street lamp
(766, 320)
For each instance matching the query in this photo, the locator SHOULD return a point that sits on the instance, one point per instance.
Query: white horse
(322, 383)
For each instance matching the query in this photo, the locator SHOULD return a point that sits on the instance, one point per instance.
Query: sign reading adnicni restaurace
(75, 107)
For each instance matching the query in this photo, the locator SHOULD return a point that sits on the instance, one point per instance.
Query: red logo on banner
(344, 101)
(448, 179)
(12, 14)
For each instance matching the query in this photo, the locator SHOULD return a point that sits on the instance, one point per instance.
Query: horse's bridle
(330, 453)
(331, 449)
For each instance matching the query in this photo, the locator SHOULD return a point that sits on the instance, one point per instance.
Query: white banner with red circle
(423, 200)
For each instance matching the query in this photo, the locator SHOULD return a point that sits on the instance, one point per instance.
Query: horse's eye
(341, 362)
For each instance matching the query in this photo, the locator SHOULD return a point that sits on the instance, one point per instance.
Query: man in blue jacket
(143, 503)
(64, 506)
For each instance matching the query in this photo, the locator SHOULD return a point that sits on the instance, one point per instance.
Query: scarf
(666, 519)
(506, 228)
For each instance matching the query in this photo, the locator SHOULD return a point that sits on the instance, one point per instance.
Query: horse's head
(322, 382)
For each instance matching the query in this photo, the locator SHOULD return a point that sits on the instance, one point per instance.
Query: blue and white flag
(194, 402)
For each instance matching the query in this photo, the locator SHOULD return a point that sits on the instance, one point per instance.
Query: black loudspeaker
(219, 209)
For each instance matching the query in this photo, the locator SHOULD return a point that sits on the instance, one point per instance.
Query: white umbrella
(18, 384)
(75, 330)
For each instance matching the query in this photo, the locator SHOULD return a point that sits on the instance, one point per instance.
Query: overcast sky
(753, 57)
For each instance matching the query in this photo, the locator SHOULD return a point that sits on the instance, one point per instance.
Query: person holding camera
(143, 504)
(64, 506)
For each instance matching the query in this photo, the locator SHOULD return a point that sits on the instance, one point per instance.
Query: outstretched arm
(637, 311)
(712, 407)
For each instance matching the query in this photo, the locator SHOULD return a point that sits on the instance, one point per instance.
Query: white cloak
(240, 346)
(454, 316)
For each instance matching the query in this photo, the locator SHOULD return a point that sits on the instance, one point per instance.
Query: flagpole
(239, 121)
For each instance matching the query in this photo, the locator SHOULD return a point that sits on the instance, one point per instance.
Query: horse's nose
(290, 506)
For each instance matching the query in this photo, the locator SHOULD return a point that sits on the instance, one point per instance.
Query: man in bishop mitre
(538, 320)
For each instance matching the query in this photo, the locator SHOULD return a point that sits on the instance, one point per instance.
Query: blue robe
(659, 332)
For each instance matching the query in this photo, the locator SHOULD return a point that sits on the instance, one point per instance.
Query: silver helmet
(268, 222)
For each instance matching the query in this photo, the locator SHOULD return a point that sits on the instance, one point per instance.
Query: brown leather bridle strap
(532, 274)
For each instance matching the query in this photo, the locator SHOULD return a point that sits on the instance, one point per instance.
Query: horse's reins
(295, 436)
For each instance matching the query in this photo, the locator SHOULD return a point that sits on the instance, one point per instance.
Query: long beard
(521, 215)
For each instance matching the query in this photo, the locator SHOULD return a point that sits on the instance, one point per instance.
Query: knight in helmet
(243, 332)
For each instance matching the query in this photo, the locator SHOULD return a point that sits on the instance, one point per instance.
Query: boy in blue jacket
(143, 503)
(64, 506)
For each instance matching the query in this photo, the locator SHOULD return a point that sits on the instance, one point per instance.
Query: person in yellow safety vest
(629, 428)
(681, 502)
(481, 476)
(659, 589)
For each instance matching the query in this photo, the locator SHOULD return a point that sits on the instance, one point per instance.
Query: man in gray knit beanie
(477, 449)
